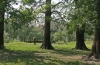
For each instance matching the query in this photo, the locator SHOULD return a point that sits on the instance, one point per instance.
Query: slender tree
(47, 43)
(2, 11)
(96, 43)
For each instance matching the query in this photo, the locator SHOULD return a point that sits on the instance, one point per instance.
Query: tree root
(43, 46)
(91, 58)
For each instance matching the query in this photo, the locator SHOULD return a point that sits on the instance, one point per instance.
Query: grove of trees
(67, 20)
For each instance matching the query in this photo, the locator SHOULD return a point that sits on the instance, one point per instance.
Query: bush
(6, 37)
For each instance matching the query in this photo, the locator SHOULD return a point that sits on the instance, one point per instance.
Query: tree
(78, 23)
(96, 43)
(47, 43)
(80, 44)
(2, 12)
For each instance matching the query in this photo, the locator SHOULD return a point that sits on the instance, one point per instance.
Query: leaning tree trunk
(2, 11)
(80, 40)
(47, 44)
(95, 52)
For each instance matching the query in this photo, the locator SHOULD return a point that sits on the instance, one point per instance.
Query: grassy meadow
(21, 53)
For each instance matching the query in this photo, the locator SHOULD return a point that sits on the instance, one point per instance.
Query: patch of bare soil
(82, 58)
(91, 60)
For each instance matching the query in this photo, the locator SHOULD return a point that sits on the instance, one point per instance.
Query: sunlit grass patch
(22, 46)
(89, 44)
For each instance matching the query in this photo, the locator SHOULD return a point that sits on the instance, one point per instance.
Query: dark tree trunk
(2, 11)
(95, 52)
(47, 43)
(96, 44)
(80, 40)
(1, 35)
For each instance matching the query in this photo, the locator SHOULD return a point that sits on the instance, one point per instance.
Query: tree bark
(47, 43)
(80, 40)
(2, 11)
(1, 35)
(95, 52)
(96, 44)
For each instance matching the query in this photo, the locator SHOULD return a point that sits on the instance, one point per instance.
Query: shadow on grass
(11, 57)
(70, 52)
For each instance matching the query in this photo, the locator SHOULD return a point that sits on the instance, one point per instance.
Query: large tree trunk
(2, 11)
(47, 43)
(95, 52)
(80, 40)
(1, 35)
(96, 44)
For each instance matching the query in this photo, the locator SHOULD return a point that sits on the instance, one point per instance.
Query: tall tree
(2, 11)
(47, 43)
(78, 22)
(96, 43)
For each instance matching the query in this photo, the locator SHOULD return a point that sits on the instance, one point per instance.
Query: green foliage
(21, 17)
(58, 36)
(28, 2)
(24, 17)
(26, 33)
(6, 37)
(82, 13)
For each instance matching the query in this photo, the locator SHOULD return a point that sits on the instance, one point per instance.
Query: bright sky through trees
(53, 1)
(56, 1)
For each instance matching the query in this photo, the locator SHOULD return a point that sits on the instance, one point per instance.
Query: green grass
(20, 53)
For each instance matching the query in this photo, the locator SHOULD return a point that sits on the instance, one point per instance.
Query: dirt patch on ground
(70, 58)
